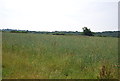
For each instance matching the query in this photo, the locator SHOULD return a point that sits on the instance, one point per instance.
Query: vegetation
(108, 34)
(87, 32)
(14, 31)
(41, 56)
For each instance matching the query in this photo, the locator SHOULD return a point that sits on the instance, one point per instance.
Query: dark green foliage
(15, 31)
(58, 34)
(87, 32)
(108, 34)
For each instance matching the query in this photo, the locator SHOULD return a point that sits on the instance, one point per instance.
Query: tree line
(86, 32)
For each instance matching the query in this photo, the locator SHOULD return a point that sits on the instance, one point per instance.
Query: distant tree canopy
(87, 31)
(15, 31)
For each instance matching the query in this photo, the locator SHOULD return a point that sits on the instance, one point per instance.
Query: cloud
(49, 15)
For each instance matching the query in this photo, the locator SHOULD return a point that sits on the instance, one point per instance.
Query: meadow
(40, 56)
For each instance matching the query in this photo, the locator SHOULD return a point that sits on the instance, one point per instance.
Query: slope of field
(29, 56)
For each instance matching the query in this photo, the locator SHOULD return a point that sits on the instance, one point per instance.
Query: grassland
(29, 56)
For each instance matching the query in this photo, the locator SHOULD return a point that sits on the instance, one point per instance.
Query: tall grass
(57, 57)
(0, 55)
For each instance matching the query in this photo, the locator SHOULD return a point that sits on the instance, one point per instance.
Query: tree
(87, 31)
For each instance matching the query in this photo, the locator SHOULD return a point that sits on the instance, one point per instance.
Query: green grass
(29, 56)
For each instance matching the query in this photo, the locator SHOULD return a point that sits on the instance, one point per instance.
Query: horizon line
(54, 30)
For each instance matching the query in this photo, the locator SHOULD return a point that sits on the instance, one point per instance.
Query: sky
(59, 15)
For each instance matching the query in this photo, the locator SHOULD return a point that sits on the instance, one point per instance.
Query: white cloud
(49, 15)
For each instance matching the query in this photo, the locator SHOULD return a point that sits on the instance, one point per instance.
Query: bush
(87, 32)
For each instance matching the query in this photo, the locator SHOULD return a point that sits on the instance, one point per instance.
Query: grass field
(29, 56)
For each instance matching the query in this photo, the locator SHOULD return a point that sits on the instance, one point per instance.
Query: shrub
(87, 31)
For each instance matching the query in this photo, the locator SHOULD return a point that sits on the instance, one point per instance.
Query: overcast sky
(59, 15)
